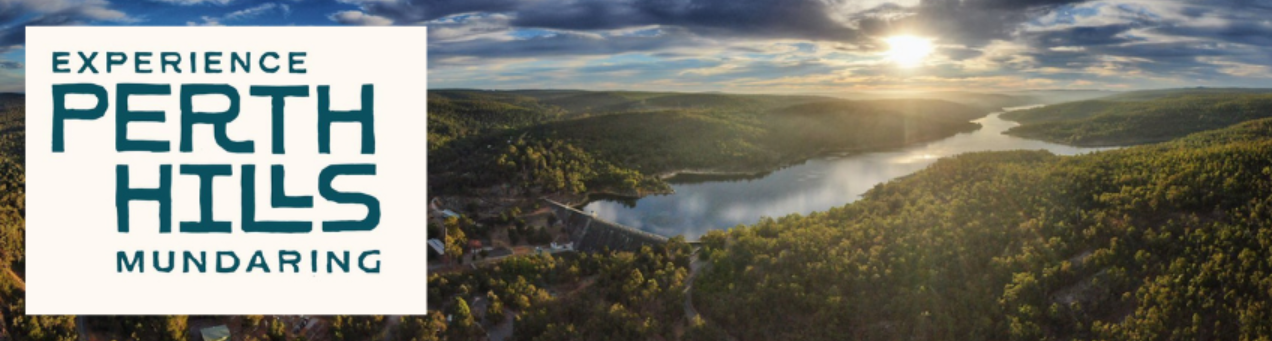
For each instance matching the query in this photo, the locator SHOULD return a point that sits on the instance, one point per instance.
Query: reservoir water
(815, 185)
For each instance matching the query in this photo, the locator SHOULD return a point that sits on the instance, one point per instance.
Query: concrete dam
(591, 234)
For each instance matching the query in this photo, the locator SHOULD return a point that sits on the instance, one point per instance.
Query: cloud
(255, 11)
(10, 65)
(493, 26)
(754, 45)
(196, 2)
(564, 43)
(1154, 40)
(1023, 43)
(16, 15)
(359, 18)
(405, 12)
(243, 14)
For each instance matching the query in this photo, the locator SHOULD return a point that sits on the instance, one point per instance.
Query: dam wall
(591, 234)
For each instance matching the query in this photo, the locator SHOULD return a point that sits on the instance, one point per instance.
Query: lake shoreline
(815, 183)
(723, 174)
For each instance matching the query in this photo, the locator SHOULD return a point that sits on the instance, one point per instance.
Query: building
(215, 333)
(437, 246)
(449, 213)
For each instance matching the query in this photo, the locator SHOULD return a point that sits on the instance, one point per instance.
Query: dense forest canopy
(13, 232)
(1168, 241)
(1146, 117)
(1161, 242)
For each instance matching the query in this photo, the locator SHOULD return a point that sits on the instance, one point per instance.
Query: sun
(908, 51)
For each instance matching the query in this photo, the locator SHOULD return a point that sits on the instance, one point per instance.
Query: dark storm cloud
(1176, 59)
(1242, 32)
(974, 22)
(1212, 34)
(1238, 21)
(1084, 36)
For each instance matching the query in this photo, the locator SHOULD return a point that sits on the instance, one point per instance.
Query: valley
(964, 233)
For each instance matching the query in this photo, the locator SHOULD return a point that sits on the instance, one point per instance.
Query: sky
(773, 46)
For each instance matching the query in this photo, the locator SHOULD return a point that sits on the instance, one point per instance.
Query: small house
(215, 333)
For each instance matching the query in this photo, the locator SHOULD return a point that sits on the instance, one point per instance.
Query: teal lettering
(206, 223)
(268, 69)
(220, 266)
(171, 261)
(342, 263)
(248, 210)
(258, 261)
(283, 260)
(200, 263)
(61, 113)
(60, 60)
(124, 194)
(327, 176)
(137, 264)
(219, 121)
(278, 95)
(87, 62)
(174, 61)
(296, 62)
(362, 262)
(115, 58)
(124, 115)
(364, 116)
(141, 59)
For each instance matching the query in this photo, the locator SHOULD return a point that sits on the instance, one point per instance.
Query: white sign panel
(225, 170)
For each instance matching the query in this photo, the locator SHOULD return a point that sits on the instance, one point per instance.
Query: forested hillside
(1144, 95)
(1171, 241)
(602, 296)
(1135, 118)
(13, 233)
(535, 142)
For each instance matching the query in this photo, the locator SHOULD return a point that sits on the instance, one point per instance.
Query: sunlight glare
(908, 51)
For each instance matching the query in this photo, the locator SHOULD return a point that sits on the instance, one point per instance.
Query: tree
(463, 324)
(429, 327)
(177, 327)
(455, 241)
(359, 327)
(277, 331)
(250, 322)
(494, 310)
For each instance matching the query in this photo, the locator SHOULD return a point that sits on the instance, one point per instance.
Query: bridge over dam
(592, 234)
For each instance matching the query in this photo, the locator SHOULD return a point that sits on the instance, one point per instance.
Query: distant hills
(622, 142)
(11, 99)
(986, 100)
(1142, 116)
(1145, 95)
(609, 101)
